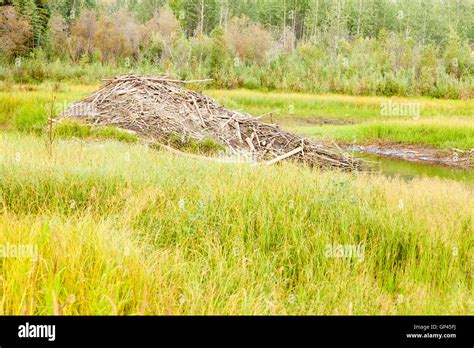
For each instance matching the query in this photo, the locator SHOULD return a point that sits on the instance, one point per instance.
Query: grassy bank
(301, 106)
(439, 133)
(443, 124)
(123, 229)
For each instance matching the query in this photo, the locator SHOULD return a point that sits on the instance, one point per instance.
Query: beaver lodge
(159, 108)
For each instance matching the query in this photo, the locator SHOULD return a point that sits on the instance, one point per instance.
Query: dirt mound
(159, 108)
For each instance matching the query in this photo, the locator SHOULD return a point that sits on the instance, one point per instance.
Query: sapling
(50, 130)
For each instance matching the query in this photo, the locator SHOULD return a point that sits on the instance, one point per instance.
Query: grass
(442, 123)
(300, 106)
(207, 146)
(124, 229)
(77, 129)
(26, 107)
(438, 133)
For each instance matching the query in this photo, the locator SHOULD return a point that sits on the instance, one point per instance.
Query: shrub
(58, 36)
(248, 40)
(117, 36)
(15, 32)
(83, 33)
(164, 23)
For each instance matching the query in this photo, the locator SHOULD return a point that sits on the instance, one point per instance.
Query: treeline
(383, 47)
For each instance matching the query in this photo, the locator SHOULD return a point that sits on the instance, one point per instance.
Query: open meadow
(124, 228)
(216, 157)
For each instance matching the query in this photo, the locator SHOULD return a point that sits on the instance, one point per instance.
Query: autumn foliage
(15, 32)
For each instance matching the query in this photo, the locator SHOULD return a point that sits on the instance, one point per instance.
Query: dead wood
(157, 108)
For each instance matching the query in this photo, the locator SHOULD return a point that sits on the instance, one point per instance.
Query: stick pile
(157, 108)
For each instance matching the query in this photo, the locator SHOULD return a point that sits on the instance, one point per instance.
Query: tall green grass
(443, 134)
(124, 229)
(26, 107)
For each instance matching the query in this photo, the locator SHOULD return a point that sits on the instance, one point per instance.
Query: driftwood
(157, 108)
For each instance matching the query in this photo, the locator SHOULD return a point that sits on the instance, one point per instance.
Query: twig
(286, 155)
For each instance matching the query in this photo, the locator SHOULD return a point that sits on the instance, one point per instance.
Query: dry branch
(286, 155)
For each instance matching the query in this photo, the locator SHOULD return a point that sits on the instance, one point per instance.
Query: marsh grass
(443, 124)
(81, 130)
(26, 107)
(302, 106)
(207, 146)
(125, 229)
(439, 133)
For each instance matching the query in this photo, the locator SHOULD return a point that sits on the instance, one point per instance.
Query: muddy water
(409, 170)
